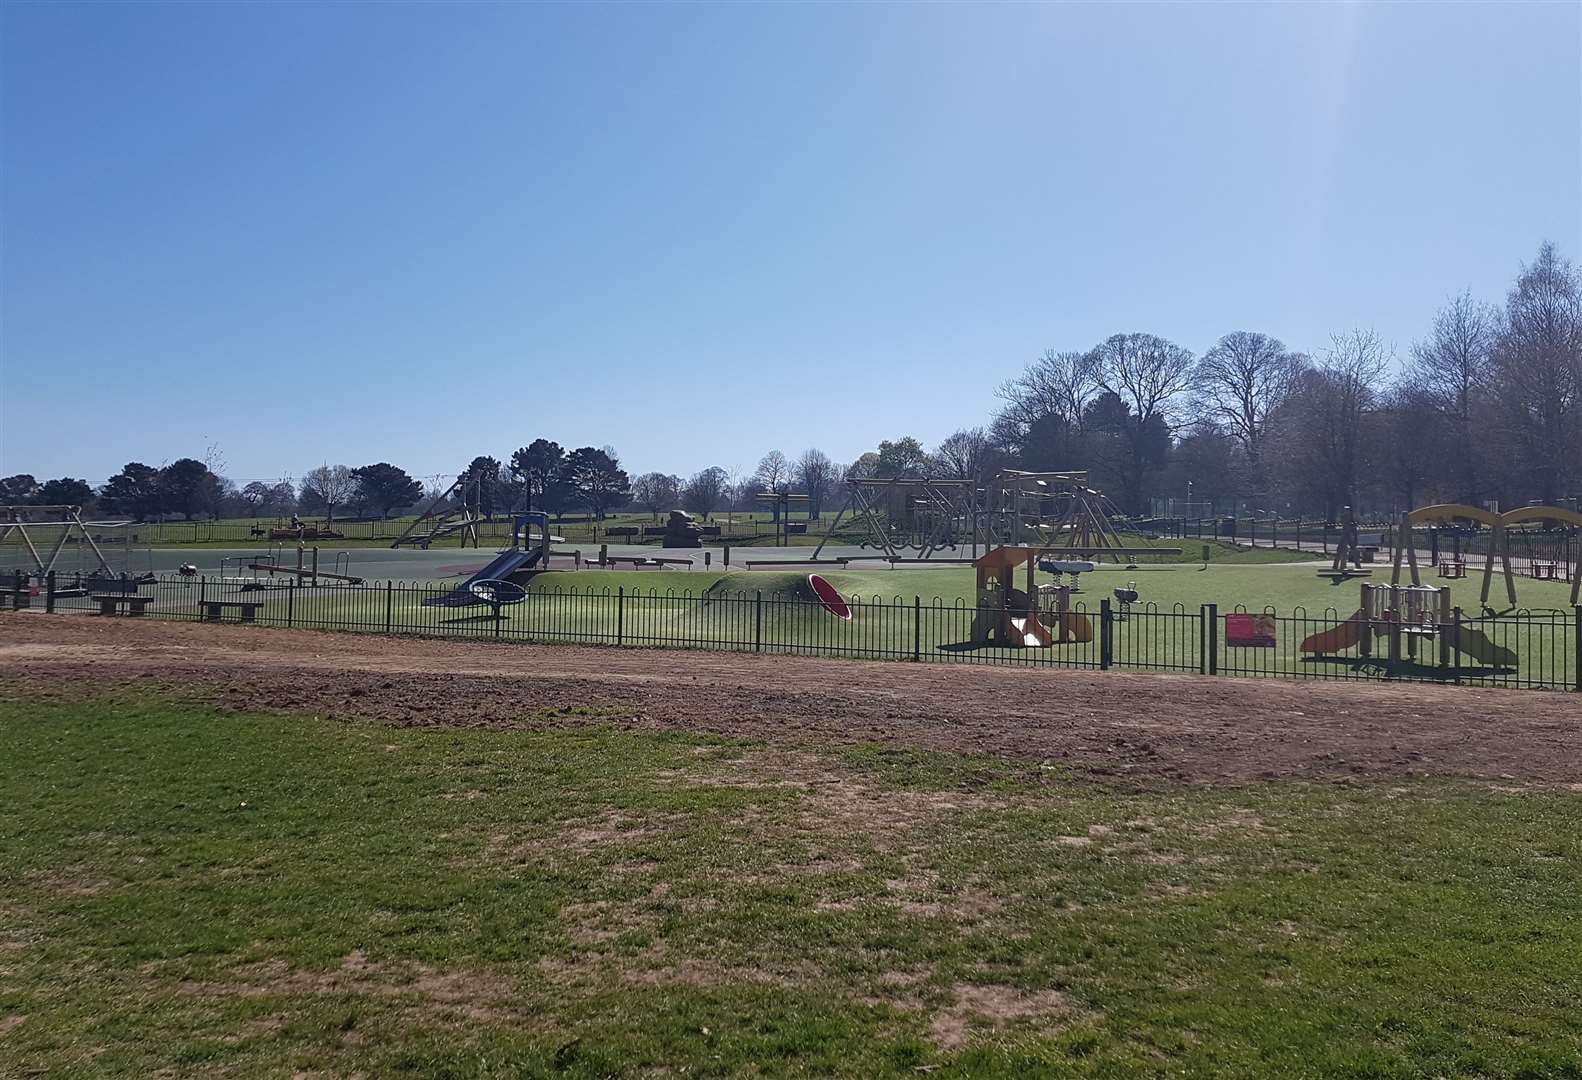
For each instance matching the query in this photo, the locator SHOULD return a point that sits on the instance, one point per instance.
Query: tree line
(1485, 406)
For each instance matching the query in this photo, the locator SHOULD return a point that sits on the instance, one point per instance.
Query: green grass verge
(203, 893)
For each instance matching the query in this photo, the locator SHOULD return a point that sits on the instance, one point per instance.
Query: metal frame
(14, 519)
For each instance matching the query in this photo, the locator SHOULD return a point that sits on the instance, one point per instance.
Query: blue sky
(415, 233)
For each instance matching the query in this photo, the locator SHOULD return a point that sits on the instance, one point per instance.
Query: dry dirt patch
(1114, 725)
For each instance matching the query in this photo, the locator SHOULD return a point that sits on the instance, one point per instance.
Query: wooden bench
(622, 530)
(1452, 568)
(134, 604)
(710, 530)
(654, 530)
(1367, 554)
(20, 598)
(794, 527)
(213, 610)
(1544, 570)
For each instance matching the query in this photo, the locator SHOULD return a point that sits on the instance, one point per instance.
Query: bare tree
(1325, 426)
(1538, 359)
(1241, 382)
(1145, 374)
(1053, 392)
(705, 491)
(815, 475)
(1452, 371)
(328, 486)
(773, 472)
(656, 491)
(963, 455)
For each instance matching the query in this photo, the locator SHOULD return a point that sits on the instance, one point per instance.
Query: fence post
(1106, 641)
(1202, 639)
(203, 587)
(620, 615)
(389, 603)
(291, 604)
(758, 620)
(1576, 641)
(49, 593)
(917, 628)
(1213, 639)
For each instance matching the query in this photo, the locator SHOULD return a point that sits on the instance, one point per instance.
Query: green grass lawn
(203, 892)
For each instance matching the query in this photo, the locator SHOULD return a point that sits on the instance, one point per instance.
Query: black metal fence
(1537, 649)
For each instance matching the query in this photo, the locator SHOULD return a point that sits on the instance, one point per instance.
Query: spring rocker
(1035, 617)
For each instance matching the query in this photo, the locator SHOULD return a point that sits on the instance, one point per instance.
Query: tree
(480, 485)
(903, 457)
(386, 487)
(539, 466)
(1147, 373)
(705, 490)
(1452, 371)
(866, 467)
(963, 455)
(133, 491)
(327, 487)
(597, 479)
(1324, 428)
(772, 475)
(17, 489)
(255, 496)
(1241, 381)
(63, 492)
(1538, 362)
(1053, 393)
(187, 487)
(655, 492)
(815, 474)
(773, 472)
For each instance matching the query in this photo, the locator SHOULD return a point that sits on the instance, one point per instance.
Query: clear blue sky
(415, 233)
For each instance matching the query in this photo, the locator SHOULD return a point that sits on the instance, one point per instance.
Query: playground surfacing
(1145, 728)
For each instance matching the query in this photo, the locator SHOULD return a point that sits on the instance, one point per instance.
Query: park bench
(214, 610)
(1452, 568)
(1366, 554)
(796, 527)
(710, 530)
(653, 530)
(109, 602)
(622, 530)
(20, 598)
(1544, 569)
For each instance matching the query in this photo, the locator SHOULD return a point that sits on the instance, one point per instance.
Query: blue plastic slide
(506, 564)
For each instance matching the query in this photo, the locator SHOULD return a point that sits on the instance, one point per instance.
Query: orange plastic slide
(1028, 632)
(1336, 638)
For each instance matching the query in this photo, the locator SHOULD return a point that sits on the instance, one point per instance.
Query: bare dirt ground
(1118, 726)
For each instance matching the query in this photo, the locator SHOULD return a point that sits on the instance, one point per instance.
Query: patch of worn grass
(200, 891)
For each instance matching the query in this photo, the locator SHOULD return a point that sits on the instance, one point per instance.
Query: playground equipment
(497, 593)
(526, 553)
(1126, 598)
(307, 572)
(1035, 617)
(1347, 551)
(462, 518)
(1500, 528)
(1406, 617)
(1013, 509)
(830, 597)
(909, 514)
(23, 525)
(1073, 567)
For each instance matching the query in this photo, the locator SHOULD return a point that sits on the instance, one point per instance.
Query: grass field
(241, 893)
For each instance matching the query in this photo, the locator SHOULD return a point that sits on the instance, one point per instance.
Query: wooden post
(1444, 626)
(1213, 639)
(1106, 640)
(620, 615)
(49, 593)
(1365, 631)
(389, 603)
